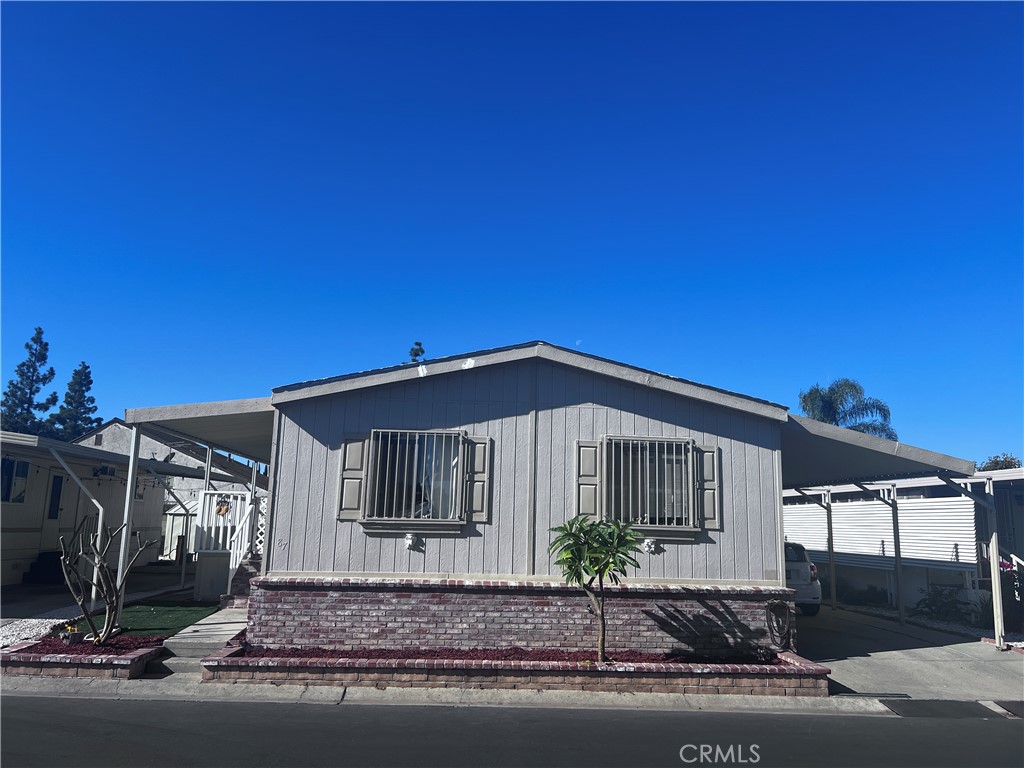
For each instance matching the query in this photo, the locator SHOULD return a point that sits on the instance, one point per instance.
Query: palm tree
(843, 404)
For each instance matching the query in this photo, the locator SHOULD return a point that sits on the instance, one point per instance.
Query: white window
(13, 480)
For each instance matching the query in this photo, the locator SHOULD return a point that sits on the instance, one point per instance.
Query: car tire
(810, 609)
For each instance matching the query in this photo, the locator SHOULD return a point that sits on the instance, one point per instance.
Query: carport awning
(813, 453)
(240, 427)
(44, 447)
(817, 454)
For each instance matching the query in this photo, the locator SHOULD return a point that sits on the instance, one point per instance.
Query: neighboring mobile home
(414, 504)
(40, 501)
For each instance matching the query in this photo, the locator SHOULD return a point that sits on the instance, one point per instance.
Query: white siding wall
(529, 408)
(932, 531)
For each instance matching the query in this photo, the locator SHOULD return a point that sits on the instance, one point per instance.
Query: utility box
(212, 567)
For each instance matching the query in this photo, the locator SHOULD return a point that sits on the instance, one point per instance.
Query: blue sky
(204, 201)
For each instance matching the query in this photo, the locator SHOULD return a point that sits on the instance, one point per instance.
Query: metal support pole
(826, 504)
(898, 565)
(994, 569)
(254, 515)
(988, 501)
(129, 509)
(99, 521)
(207, 469)
(184, 555)
(831, 549)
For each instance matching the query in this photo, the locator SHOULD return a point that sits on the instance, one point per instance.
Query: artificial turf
(154, 617)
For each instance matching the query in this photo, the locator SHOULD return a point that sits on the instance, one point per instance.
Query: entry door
(55, 494)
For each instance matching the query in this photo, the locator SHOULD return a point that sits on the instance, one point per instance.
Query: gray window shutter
(478, 479)
(709, 486)
(354, 461)
(588, 469)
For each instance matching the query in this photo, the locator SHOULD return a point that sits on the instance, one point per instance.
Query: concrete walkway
(874, 656)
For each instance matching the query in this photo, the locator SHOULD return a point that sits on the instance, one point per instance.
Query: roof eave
(540, 350)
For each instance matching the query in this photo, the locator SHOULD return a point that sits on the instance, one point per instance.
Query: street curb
(193, 690)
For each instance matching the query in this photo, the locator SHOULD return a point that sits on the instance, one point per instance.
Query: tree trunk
(598, 606)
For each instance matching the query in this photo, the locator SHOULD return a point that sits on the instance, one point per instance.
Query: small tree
(19, 404)
(86, 557)
(416, 352)
(1000, 461)
(75, 416)
(592, 550)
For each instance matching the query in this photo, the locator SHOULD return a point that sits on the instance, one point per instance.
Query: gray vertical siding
(498, 401)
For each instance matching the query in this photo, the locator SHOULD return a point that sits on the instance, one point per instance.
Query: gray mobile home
(414, 503)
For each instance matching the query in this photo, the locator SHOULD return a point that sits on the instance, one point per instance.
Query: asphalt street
(39, 731)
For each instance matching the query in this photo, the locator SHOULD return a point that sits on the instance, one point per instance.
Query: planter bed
(122, 657)
(787, 675)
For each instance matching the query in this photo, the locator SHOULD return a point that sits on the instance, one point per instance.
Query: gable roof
(532, 349)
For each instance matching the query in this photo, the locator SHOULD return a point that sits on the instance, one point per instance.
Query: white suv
(802, 576)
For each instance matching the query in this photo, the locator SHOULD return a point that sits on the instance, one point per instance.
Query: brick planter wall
(348, 613)
(794, 677)
(18, 659)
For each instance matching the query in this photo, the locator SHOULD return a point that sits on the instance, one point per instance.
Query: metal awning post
(184, 555)
(207, 468)
(254, 519)
(826, 504)
(994, 558)
(831, 549)
(897, 552)
(988, 501)
(129, 509)
(99, 521)
(888, 497)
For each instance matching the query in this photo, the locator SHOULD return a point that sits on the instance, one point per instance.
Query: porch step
(45, 569)
(174, 665)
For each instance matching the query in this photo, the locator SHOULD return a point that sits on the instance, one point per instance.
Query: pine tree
(19, 406)
(75, 416)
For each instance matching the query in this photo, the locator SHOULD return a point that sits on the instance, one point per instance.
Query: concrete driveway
(875, 656)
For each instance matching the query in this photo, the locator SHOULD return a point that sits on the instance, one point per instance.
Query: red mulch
(497, 654)
(117, 646)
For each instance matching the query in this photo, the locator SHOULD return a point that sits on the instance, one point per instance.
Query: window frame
(413, 524)
(655, 530)
(14, 473)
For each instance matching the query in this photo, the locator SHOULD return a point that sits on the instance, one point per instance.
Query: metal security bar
(416, 475)
(649, 482)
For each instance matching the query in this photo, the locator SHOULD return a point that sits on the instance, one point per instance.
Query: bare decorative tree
(87, 556)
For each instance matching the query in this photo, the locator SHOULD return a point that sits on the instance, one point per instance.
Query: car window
(795, 554)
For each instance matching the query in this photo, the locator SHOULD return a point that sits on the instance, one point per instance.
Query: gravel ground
(27, 629)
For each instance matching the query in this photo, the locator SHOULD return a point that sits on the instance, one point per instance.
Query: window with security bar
(415, 476)
(649, 482)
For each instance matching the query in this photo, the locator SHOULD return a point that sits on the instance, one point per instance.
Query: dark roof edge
(499, 351)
